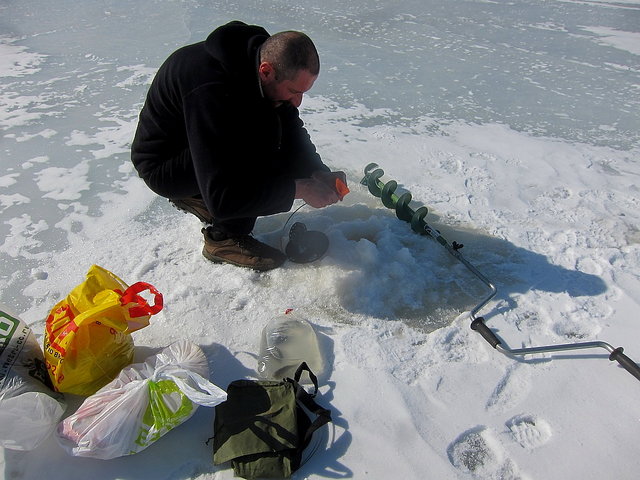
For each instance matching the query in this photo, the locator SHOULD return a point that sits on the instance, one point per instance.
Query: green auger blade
(386, 192)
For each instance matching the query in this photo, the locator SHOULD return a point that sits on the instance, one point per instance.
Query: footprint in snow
(144, 269)
(477, 452)
(529, 431)
(511, 389)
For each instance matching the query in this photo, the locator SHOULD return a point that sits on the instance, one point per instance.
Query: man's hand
(329, 177)
(336, 180)
(316, 193)
(322, 189)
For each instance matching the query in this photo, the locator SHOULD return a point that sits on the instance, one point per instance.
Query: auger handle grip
(624, 361)
(479, 326)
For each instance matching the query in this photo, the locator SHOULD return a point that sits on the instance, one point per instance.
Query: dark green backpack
(263, 426)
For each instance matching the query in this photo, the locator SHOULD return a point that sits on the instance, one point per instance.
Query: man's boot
(194, 206)
(240, 250)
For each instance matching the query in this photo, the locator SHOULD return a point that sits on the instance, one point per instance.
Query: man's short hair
(290, 52)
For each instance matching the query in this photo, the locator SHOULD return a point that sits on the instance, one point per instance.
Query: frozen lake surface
(516, 122)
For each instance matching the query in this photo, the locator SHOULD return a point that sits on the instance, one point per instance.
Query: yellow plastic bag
(87, 338)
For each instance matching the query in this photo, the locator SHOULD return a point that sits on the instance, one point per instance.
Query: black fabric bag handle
(323, 416)
(305, 368)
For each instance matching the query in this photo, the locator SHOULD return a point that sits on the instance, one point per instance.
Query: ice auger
(386, 192)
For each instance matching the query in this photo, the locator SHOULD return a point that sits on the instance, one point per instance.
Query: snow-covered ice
(515, 122)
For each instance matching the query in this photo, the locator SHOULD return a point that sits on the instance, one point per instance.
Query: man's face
(285, 91)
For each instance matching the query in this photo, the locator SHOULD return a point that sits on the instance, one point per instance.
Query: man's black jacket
(205, 105)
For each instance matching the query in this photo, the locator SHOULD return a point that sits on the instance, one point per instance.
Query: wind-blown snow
(516, 123)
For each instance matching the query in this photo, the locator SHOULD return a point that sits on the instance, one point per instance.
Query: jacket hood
(235, 46)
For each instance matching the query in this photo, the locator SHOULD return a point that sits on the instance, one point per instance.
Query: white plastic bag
(141, 404)
(29, 408)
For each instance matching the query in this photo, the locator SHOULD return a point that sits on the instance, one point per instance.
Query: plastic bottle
(287, 341)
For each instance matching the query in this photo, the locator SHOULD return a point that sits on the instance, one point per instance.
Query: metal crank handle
(479, 326)
(625, 362)
(615, 354)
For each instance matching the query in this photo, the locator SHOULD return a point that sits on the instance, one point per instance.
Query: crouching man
(220, 136)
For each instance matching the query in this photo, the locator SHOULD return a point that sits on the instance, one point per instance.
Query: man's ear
(266, 71)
